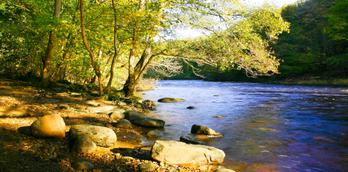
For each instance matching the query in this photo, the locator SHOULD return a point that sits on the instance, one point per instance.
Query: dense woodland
(110, 44)
(316, 45)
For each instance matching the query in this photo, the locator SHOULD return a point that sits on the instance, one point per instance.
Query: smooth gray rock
(124, 123)
(190, 140)
(101, 136)
(179, 153)
(129, 136)
(170, 100)
(142, 120)
(201, 129)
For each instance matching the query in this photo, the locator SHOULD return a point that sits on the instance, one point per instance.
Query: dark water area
(271, 127)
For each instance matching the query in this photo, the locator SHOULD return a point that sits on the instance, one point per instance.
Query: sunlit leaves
(244, 46)
(25, 26)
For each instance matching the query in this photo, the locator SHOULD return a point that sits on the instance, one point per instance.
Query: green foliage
(256, 42)
(26, 25)
(338, 20)
(268, 23)
(245, 45)
(22, 39)
(314, 46)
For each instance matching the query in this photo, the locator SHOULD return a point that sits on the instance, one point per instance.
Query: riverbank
(22, 103)
(305, 81)
(314, 82)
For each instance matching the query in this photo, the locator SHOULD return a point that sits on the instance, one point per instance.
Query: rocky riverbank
(60, 130)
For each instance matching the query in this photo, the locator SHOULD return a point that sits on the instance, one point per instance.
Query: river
(265, 127)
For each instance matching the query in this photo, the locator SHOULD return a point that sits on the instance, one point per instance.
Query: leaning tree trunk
(129, 86)
(94, 64)
(52, 41)
(139, 69)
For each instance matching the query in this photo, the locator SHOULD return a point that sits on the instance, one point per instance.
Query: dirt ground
(21, 103)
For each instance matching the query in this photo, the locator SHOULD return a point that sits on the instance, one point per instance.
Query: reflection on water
(265, 127)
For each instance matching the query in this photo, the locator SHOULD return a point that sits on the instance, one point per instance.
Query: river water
(266, 127)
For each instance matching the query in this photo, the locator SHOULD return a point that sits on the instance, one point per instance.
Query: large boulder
(142, 120)
(49, 126)
(204, 130)
(170, 100)
(179, 153)
(101, 136)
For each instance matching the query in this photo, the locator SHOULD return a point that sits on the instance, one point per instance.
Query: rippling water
(267, 127)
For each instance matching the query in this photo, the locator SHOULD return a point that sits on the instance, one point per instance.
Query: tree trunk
(108, 87)
(138, 71)
(52, 41)
(144, 61)
(129, 86)
(94, 64)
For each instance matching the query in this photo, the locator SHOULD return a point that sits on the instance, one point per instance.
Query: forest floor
(21, 103)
